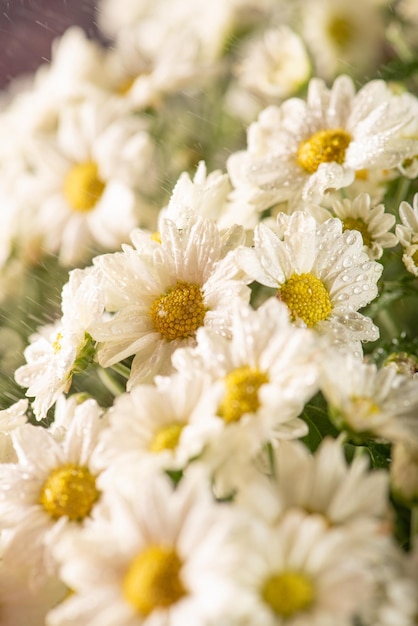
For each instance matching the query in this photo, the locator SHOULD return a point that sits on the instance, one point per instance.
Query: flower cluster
(209, 353)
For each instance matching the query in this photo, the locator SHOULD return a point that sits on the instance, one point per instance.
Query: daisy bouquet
(209, 363)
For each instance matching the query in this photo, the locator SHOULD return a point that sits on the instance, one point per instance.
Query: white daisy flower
(57, 351)
(10, 419)
(151, 424)
(154, 560)
(265, 372)
(323, 483)
(407, 232)
(306, 148)
(371, 221)
(321, 273)
(161, 293)
(276, 65)
(75, 73)
(140, 75)
(297, 572)
(51, 486)
(343, 36)
(261, 378)
(370, 402)
(205, 195)
(92, 164)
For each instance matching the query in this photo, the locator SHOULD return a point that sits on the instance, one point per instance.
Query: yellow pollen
(83, 187)
(325, 146)
(362, 174)
(288, 593)
(352, 223)
(306, 297)
(241, 396)
(57, 343)
(178, 313)
(415, 257)
(69, 490)
(153, 580)
(341, 31)
(167, 438)
(156, 237)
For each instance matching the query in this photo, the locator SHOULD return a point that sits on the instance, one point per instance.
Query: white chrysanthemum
(74, 73)
(276, 65)
(152, 422)
(58, 350)
(297, 572)
(92, 164)
(161, 293)
(51, 486)
(321, 273)
(306, 148)
(261, 379)
(10, 419)
(407, 234)
(265, 372)
(371, 221)
(205, 195)
(370, 402)
(343, 36)
(141, 73)
(323, 483)
(153, 561)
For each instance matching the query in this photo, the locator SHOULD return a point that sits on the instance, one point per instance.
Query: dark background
(28, 27)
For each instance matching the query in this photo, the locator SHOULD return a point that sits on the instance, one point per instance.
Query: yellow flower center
(325, 146)
(415, 257)
(167, 438)
(83, 187)
(153, 580)
(406, 363)
(288, 593)
(306, 297)
(180, 312)
(352, 223)
(341, 30)
(69, 490)
(364, 407)
(241, 396)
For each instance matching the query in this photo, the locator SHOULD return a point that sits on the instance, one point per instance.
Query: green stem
(122, 370)
(110, 383)
(401, 192)
(388, 323)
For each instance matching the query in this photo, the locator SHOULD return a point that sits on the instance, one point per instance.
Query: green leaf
(315, 414)
(379, 454)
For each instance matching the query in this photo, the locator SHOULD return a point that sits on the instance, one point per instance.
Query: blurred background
(28, 27)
